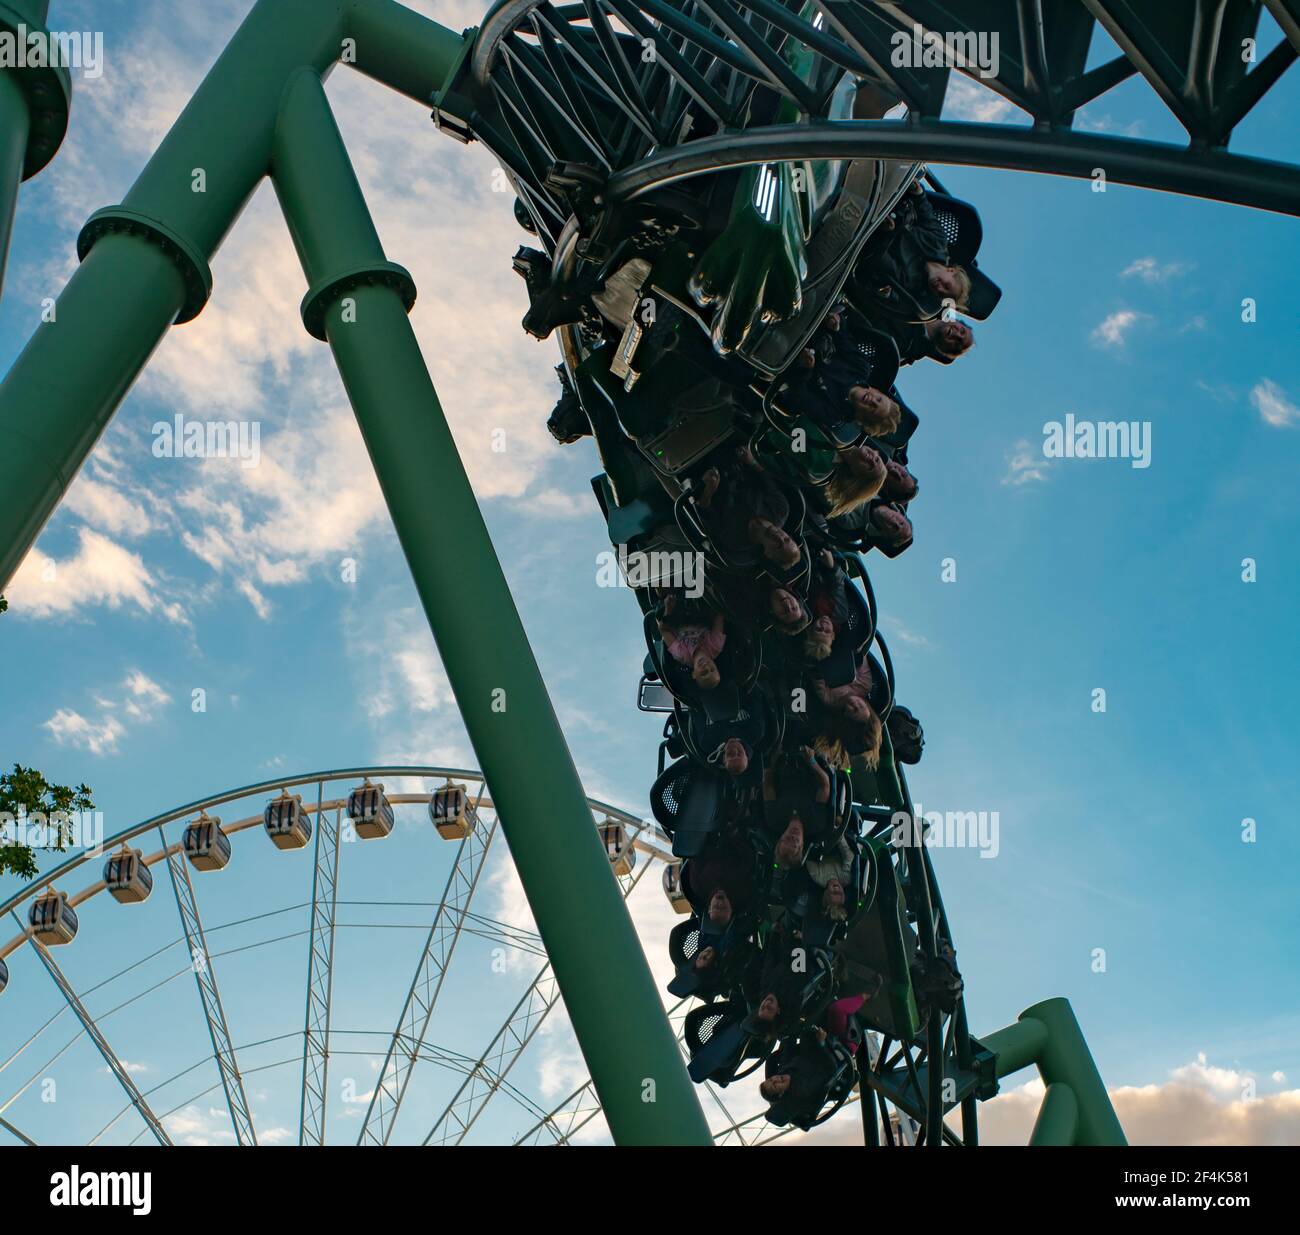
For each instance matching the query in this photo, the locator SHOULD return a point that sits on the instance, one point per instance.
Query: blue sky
(1119, 830)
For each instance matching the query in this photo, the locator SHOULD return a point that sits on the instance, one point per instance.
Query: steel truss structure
(205, 977)
(591, 108)
(647, 93)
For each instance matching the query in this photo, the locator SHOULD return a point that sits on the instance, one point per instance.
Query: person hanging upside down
(695, 645)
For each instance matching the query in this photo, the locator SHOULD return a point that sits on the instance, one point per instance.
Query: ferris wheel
(182, 911)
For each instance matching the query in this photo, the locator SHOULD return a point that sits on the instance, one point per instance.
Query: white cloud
(101, 572)
(905, 634)
(69, 728)
(968, 100)
(141, 703)
(1149, 270)
(105, 507)
(1025, 465)
(1200, 1104)
(145, 696)
(1104, 122)
(559, 503)
(248, 357)
(401, 683)
(1112, 330)
(194, 1126)
(1268, 399)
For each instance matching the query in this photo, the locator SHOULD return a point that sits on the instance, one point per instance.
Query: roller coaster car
(653, 696)
(864, 356)
(718, 1042)
(735, 957)
(738, 664)
(689, 802)
(892, 303)
(675, 393)
(877, 953)
(753, 719)
(821, 1073)
(792, 787)
(798, 231)
(965, 233)
(4, 977)
(681, 401)
(906, 734)
(851, 641)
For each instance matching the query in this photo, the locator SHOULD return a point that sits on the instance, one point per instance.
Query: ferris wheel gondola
(53, 920)
(206, 846)
(128, 879)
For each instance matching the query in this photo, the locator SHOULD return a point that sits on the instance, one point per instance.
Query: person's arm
(845, 871)
(927, 230)
(821, 779)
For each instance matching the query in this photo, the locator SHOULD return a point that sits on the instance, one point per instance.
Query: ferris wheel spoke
(205, 978)
(413, 1023)
(505, 1049)
(320, 976)
(576, 1111)
(22, 1136)
(495, 1063)
(89, 1024)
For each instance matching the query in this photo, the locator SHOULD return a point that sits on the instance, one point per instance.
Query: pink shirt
(687, 642)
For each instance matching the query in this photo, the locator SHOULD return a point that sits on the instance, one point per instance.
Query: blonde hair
(847, 489)
(881, 424)
(963, 285)
(816, 648)
(832, 750)
(836, 913)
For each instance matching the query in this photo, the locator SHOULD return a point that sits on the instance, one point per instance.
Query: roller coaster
(738, 241)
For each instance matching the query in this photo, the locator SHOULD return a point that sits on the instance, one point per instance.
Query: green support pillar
(1049, 1035)
(1058, 1117)
(358, 301)
(15, 126)
(1065, 1058)
(34, 104)
(145, 263)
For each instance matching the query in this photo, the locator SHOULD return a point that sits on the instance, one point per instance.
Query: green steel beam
(359, 301)
(145, 263)
(1017, 1046)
